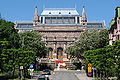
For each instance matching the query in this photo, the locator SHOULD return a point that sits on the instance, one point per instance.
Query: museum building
(60, 27)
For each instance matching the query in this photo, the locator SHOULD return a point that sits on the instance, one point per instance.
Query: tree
(9, 33)
(3, 45)
(12, 59)
(31, 41)
(106, 60)
(89, 40)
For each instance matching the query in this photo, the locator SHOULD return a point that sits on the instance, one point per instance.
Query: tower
(84, 18)
(36, 17)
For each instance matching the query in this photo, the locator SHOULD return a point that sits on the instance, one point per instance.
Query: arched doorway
(59, 53)
(50, 54)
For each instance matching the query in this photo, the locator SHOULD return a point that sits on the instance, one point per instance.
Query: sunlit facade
(60, 28)
(114, 30)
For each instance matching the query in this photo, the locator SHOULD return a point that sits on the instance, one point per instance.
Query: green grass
(36, 71)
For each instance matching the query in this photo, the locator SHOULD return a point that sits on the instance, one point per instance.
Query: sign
(89, 69)
(93, 67)
(90, 74)
(31, 65)
(21, 67)
(58, 61)
(89, 65)
(31, 71)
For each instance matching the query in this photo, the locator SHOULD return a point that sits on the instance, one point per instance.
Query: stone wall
(59, 37)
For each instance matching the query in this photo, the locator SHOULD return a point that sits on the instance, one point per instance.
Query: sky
(23, 10)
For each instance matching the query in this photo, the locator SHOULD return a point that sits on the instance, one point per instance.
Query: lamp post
(37, 60)
(93, 68)
(31, 70)
(21, 68)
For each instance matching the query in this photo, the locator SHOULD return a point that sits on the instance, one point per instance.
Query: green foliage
(31, 41)
(12, 59)
(4, 44)
(89, 40)
(18, 49)
(9, 33)
(77, 65)
(106, 59)
(6, 29)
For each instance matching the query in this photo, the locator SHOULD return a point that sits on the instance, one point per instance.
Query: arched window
(50, 54)
(59, 52)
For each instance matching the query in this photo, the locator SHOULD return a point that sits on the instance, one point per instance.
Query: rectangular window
(59, 20)
(118, 21)
(41, 19)
(118, 37)
(71, 20)
(78, 21)
(47, 20)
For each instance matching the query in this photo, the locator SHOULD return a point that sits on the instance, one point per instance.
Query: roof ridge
(60, 9)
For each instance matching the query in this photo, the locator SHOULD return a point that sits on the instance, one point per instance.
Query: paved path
(63, 75)
(66, 75)
(69, 75)
(82, 76)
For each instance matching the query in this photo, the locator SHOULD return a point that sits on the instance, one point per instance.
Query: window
(49, 12)
(118, 21)
(59, 12)
(41, 19)
(71, 20)
(78, 20)
(47, 20)
(118, 37)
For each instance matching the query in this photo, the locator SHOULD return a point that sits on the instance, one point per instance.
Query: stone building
(114, 30)
(60, 28)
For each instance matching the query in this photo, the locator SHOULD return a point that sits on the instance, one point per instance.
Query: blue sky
(96, 10)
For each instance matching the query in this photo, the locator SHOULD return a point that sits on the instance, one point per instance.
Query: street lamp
(37, 60)
(93, 68)
(21, 68)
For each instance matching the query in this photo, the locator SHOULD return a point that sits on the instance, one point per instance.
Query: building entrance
(50, 55)
(59, 53)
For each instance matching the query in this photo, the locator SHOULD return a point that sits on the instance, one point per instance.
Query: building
(114, 30)
(60, 28)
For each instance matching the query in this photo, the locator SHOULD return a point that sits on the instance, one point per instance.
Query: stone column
(76, 20)
(64, 55)
(40, 19)
(80, 20)
(54, 50)
(43, 20)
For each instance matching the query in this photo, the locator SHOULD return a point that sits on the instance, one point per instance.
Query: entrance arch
(50, 54)
(59, 53)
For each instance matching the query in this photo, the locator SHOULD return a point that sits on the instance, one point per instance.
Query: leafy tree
(31, 41)
(90, 39)
(106, 60)
(3, 45)
(9, 33)
(12, 59)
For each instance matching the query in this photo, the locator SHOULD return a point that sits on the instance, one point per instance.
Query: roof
(114, 19)
(59, 11)
(24, 22)
(96, 24)
(118, 14)
(112, 23)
